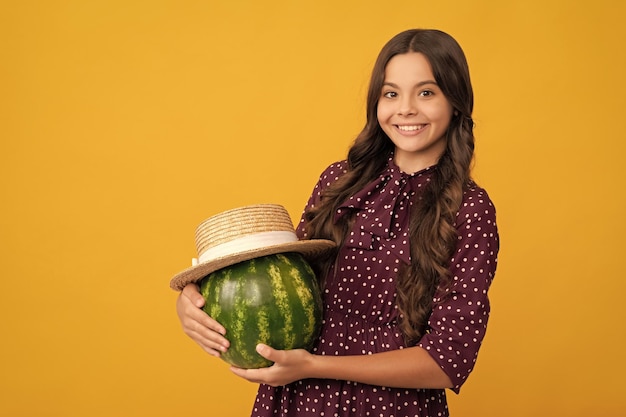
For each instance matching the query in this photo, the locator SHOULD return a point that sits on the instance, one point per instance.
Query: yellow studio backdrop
(123, 124)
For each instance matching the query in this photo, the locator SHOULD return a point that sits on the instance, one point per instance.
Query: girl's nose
(407, 107)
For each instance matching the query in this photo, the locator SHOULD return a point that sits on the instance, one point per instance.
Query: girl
(405, 293)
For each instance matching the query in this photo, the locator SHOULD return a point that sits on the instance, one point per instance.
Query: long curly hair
(432, 223)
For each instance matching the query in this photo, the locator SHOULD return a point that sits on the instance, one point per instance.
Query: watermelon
(273, 299)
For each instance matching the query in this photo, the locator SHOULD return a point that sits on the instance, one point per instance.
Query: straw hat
(242, 234)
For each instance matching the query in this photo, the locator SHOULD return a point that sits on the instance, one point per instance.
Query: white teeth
(410, 128)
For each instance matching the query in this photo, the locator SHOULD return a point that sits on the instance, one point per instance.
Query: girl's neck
(409, 164)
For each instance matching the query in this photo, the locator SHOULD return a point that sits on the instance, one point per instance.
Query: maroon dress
(360, 313)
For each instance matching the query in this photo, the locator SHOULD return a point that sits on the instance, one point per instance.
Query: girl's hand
(289, 366)
(205, 331)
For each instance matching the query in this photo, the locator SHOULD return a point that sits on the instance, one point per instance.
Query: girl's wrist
(316, 365)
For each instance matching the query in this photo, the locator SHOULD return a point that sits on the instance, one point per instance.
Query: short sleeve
(459, 318)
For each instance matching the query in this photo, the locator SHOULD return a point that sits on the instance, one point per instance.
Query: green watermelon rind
(273, 299)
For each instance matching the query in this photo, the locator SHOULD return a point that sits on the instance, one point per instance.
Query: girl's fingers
(201, 328)
(211, 347)
(192, 292)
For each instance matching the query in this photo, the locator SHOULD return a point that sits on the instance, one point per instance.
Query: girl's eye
(426, 93)
(390, 94)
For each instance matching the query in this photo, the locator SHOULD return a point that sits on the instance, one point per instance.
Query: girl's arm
(404, 368)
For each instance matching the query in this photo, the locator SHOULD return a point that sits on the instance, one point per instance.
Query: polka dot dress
(360, 314)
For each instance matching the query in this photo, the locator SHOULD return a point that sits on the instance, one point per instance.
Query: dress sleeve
(329, 176)
(458, 322)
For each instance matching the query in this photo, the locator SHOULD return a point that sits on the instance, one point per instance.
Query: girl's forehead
(411, 65)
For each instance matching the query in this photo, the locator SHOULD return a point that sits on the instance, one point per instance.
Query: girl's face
(413, 112)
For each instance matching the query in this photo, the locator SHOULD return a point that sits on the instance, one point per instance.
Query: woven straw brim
(310, 249)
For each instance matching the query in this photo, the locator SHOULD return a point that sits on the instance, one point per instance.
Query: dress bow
(381, 213)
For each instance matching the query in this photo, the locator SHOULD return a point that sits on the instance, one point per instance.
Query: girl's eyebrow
(420, 84)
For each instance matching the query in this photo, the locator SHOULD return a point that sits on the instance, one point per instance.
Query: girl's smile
(409, 129)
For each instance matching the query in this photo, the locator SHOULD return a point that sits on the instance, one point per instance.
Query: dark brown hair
(432, 224)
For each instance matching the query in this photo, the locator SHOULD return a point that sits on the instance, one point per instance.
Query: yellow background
(125, 123)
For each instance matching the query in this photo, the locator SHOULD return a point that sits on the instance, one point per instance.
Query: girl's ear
(456, 112)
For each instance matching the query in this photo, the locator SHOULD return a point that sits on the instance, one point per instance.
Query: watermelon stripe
(282, 300)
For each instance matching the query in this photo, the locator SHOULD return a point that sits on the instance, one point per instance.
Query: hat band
(246, 243)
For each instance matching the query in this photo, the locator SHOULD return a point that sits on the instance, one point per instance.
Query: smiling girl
(405, 293)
